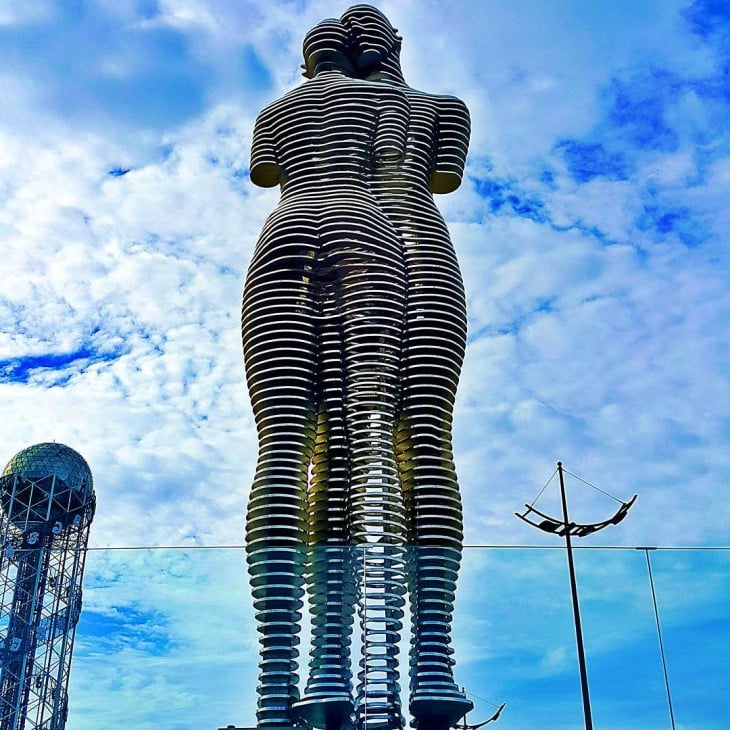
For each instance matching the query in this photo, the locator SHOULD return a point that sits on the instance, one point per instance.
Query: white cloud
(18, 12)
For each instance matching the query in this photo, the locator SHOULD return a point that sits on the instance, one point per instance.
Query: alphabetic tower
(47, 504)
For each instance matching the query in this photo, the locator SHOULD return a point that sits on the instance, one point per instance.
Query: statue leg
(435, 343)
(327, 700)
(279, 338)
(373, 300)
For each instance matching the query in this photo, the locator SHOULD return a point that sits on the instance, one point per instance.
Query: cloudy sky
(591, 229)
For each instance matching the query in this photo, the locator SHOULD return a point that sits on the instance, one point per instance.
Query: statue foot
(328, 712)
(434, 709)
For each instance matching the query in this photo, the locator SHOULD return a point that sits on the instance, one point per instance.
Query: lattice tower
(47, 499)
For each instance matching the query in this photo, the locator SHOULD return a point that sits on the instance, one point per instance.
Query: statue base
(438, 712)
(326, 713)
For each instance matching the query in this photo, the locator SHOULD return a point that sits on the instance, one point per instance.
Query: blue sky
(591, 229)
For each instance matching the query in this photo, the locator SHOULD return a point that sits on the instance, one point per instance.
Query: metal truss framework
(354, 330)
(47, 498)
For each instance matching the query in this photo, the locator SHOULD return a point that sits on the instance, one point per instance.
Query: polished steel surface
(354, 329)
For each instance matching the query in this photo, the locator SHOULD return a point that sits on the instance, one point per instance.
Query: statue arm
(454, 128)
(264, 168)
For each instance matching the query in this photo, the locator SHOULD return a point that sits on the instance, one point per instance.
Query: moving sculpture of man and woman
(354, 330)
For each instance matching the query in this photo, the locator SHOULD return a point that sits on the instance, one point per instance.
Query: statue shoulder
(264, 167)
(280, 105)
(441, 102)
(452, 143)
(455, 108)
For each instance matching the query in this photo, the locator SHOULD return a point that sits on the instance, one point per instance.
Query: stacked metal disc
(354, 330)
(322, 324)
(433, 350)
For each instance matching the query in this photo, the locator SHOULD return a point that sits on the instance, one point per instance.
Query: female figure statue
(322, 325)
(433, 350)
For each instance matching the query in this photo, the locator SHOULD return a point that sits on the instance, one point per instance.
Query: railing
(167, 639)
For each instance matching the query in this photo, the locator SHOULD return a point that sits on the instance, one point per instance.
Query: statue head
(375, 41)
(327, 47)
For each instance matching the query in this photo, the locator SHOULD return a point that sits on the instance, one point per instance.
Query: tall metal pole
(576, 607)
(659, 634)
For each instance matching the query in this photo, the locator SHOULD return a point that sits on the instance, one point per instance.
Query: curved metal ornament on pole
(565, 528)
(354, 330)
